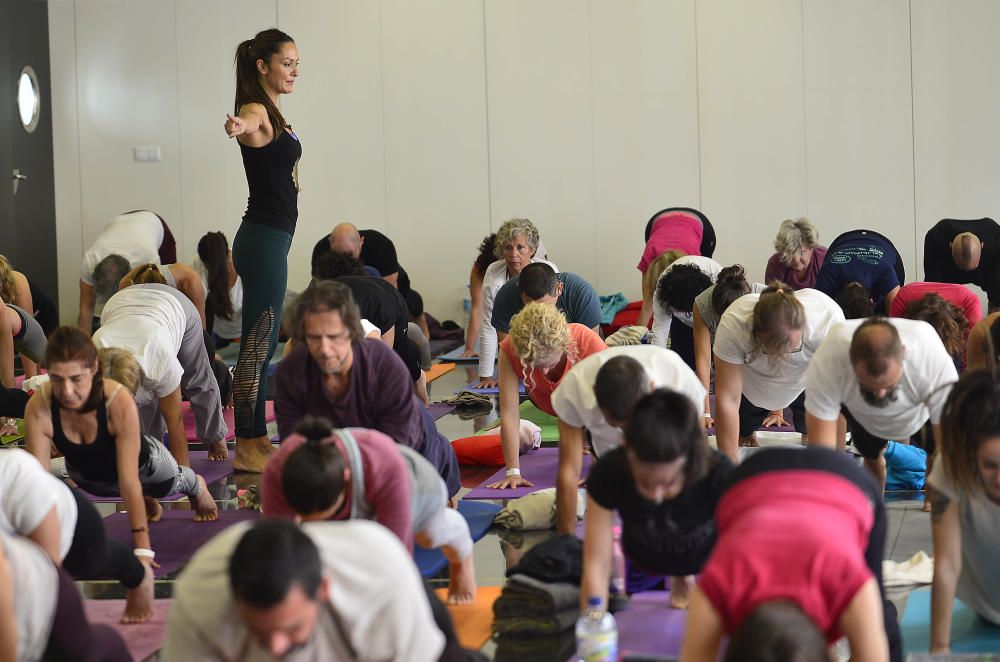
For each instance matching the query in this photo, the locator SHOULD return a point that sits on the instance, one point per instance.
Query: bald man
(962, 252)
(377, 252)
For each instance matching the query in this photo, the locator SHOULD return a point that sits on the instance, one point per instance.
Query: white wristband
(143, 553)
(706, 415)
(513, 472)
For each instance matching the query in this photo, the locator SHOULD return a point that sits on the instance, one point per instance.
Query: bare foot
(252, 454)
(139, 600)
(154, 511)
(680, 591)
(462, 582)
(748, 442)
(205, 509)
(927, 505)
(218, 451)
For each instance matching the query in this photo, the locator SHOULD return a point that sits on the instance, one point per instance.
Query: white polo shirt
(135, 236)
(28, 492)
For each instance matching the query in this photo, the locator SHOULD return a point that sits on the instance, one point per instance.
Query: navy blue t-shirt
(579, 301)
(860, 256)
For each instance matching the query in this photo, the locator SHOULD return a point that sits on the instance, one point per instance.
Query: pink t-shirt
(674, 231)
(778, 270)
(387, 482)
(800, 536)
(957, 295)
(539, 388)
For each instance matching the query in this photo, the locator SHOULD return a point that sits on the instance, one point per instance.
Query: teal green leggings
(260, 255)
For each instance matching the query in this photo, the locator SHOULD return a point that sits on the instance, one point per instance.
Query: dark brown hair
(776, 312)
(665, 426)
(67, 344)
(324, 296)
(971, 415)
(248, 88)
(729, 286)
(213, 251)
(487, 254)
(947, 319)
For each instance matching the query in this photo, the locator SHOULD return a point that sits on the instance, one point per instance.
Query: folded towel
(538, 625)
(534, 512)
(611, 305)
(536, 649)
(627, 335)
(918, 569)
(526, 596)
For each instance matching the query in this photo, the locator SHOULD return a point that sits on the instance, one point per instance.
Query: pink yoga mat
(227, 415)
(176, 537)
(200, 464)
(143, 640)
(540, 467)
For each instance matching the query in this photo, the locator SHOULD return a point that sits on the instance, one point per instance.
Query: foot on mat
(462, 582)
(139, 600)
(218, 451)
(252, 454)
(153, 509)
(205, 508)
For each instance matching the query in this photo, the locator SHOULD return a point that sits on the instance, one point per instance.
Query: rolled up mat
(969, 632)
(455, 355)
(540, 467)
(480, 518)
(439, 409)
(210, 470)
(143, 640)
(176, 537)
(438, 370)
(473, 622)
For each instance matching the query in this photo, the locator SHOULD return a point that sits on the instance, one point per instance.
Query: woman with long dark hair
(223, 287)
(266, 67)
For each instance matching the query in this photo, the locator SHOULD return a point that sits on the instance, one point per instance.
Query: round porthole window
(29, 103)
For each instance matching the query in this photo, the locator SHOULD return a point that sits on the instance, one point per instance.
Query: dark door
(27, 204)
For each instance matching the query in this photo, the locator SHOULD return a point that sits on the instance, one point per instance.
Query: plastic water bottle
(617, 563)
(596, 634)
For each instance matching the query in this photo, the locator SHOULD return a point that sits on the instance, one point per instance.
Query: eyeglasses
(791, 351)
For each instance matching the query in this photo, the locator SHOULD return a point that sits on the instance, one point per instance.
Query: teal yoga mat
(969, 632)
(478, 514)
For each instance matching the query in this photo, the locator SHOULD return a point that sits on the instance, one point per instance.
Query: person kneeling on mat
(322, 591)
(119, 461)
(324, 474)
(797, 564)
(665, 483)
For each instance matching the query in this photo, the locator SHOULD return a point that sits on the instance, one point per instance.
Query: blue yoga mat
(488, 391)
(455, 356)
(478, 514)
(969, 632)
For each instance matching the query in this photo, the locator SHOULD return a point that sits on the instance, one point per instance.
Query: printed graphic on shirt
(867, 254)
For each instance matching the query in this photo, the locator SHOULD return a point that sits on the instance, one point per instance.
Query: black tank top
(98, 461)
(273, 197)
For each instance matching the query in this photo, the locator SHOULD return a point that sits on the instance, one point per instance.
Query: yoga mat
(455, 356)
(143, 640)
(480, 518)
(530, 412)
(648, 626)
(227, 415)
(540, 467)
(176, 537)
(439, 409)
(12, 439)
(488, 391)
(969, 633)
(438, 370)
(443, 345)
(473, 622)
(200, 464)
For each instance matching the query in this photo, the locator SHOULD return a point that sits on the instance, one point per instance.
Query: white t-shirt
(28, 492)
(493, 280)
(225, 328)
(979, 518)
(148, 321)
(135, 236)
(377, 609)
(575, 404)
(661, 316)
(928, 373)
(36, 584)
(774, 386)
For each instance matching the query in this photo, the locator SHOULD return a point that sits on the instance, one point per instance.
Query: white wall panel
(437, 169)
(751, 124)
(645, 109)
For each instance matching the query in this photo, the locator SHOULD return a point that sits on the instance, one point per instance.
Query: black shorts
(871, 446)
(751, 416)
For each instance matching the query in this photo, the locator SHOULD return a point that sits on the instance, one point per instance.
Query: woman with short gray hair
(798, 255)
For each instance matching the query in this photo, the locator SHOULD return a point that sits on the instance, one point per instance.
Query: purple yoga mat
(176, 537)
(439, 409)
(650, 626)
(200, 464)
(143, 640)
(540, 467)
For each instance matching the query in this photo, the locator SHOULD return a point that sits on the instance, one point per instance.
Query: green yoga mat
(13, 439)
(529, 412)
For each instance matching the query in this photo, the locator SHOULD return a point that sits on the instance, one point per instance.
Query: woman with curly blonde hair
(540, 350)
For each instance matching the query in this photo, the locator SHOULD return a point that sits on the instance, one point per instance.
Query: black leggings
(752, 416)
(73, 638)
(93, 556)
(816, 458)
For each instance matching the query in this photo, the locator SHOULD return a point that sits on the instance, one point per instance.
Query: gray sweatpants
(434, 524)
(198, 383)
(159, 477)
(30, 342)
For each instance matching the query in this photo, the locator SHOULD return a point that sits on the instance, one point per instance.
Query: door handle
(16, 177)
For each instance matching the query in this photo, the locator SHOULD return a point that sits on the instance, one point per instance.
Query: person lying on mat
(762, 347)
(162, 329)
(965, 505)
(947, 319)
(862, 264)
(887, 377)
(964, 251)
(708, 309)
(540, 283)
(324, 474)
(63, 522)
(798, 256)
(595, 400)
(41, 611)
(664, 482)
(540, 350)
(19, 332)
(672, 233)
(127, 241)
(797, 563)
(79, 403)
(517, 245)
(179, 276)
(484, 259)
(335, 373)
(673, 297)
(325, 591)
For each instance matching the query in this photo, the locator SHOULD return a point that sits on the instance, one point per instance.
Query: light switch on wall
(146, 153)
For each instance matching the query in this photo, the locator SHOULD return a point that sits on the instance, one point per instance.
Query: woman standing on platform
(266, 67)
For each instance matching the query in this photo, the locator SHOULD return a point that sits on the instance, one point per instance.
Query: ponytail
(148, 273)
(248, 88)
(312, 479)
(213, 251)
